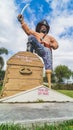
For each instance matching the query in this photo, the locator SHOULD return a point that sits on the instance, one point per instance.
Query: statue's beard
(43, 31)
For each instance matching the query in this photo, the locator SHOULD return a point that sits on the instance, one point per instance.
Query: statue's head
(43, 26)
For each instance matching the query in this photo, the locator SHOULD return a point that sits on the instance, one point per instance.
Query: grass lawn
(67, 92)
(66, 125)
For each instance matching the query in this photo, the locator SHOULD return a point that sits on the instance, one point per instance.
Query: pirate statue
(41, 42)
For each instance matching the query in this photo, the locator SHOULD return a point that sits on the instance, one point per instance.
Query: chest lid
(25, 58)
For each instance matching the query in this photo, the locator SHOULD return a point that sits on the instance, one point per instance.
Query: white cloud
(12, 36)
(59, 4)
(61, 22)
(25, 1)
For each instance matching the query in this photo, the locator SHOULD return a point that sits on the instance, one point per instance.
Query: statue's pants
(42, 51)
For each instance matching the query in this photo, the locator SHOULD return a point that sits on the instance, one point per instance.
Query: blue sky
(58, 13)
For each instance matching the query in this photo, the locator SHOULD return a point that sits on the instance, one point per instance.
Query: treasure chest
(24, 72)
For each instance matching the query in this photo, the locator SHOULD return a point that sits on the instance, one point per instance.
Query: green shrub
(63, 86)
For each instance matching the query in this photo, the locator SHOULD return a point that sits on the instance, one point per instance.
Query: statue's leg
(29, 47)
(38, 47)
(46, 55)
(47, 58)
(48, 65)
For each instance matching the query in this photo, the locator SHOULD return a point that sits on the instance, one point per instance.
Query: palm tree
(2, 51)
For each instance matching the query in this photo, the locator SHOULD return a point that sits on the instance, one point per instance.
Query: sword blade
(24, 8)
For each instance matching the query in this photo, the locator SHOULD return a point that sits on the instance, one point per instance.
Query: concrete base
(38, 94)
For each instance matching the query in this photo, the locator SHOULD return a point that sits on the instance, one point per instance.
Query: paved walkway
(35, 112)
